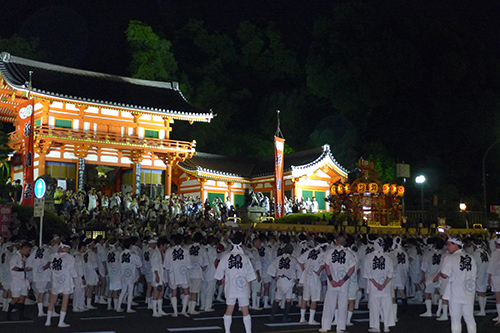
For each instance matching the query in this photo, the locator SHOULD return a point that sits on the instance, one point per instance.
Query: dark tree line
(412, 81)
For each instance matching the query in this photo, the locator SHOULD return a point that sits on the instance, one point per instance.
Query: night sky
(398, 80)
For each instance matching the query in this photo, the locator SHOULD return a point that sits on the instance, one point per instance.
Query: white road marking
(264, 315)
(110, 317)
(187, 329)
(285, 324)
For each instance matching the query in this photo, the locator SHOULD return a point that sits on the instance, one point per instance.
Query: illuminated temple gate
(97, 130)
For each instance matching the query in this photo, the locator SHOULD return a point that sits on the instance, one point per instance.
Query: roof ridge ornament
(5, 56)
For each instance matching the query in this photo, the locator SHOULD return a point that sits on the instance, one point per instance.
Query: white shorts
(242, 301)
(194, 285)
(431, 288)
(495, 284)
(311, 293)
(256, 286)
(19, 290)
(64, 289)
(352, 291)
(399, 282)
(284, 289)
(91, 278)
(183, 286)
(113, 286)
(149, 278)
(266, 279)
(42, 286)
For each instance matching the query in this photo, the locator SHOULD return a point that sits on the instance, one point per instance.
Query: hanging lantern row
(372, 188)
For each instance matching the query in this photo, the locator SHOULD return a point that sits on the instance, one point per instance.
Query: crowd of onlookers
(136, 213)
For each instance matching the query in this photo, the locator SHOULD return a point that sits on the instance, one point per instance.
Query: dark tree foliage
(391, 80)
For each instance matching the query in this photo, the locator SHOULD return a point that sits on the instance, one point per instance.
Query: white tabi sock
(445, 310)
(349, 316)
(160, 307)
(154, 306)
(440, 307)
(185, 300)
(498, 311)
(266, 300)
(192, 306)
(482, 303)
(40, 308)
(174, 304)
(130, 298)
(61, 318)
(247, 320)
(336, 315)
(311, 315)
(428, 306)
(49, 317)
(302, 314)
(227, 323)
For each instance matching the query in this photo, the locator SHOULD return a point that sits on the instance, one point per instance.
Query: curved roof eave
(65, 83)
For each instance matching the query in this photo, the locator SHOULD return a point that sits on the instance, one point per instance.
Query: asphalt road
(102, 320)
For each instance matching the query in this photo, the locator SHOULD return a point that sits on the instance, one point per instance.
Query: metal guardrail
(453, 218)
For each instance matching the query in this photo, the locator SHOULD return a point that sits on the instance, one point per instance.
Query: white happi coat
(80, 270)
(209, 273)
(38, 258)
(482, 259)
(5, 268)
(378, 266)
(156, 264)
(461, 270)
(401, 267)
(199, 259)
(340, 260)
(235, 267)
(146, 264)
(494, 270)
(18, 278)
(178, 264)
(62, 267)
(129, 264)
(114, 266)
(312, 262)
(90, 260)
(431, 264)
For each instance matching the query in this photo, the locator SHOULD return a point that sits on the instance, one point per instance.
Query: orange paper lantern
(401, 191)
(373, 188)
(394, 189)
(361, 188)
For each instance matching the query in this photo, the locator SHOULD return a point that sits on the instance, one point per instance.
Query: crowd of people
(191, 267)
(136, 214)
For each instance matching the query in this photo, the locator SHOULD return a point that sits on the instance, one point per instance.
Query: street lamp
(420, 180)
(463, 208)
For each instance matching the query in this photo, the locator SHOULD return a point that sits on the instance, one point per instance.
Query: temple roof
(224, 166)
(103, 90)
